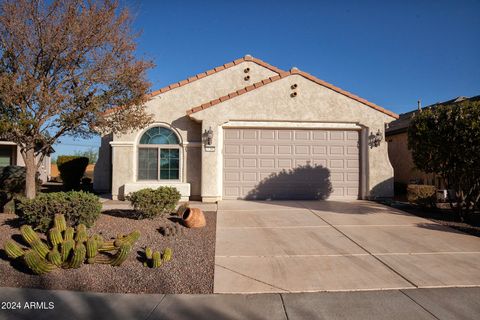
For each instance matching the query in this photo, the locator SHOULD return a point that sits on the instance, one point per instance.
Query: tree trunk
(31, 173)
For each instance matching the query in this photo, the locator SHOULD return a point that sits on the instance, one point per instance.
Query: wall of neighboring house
(402, 162)
(9, 150)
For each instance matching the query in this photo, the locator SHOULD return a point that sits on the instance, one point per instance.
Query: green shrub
(71, 170)
(150, 203)
(77, 206)
(12, 185)
(423, 195)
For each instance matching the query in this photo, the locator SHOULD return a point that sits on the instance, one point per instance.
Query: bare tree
(64, 64)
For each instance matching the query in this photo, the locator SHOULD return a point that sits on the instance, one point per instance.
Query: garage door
(290, 164)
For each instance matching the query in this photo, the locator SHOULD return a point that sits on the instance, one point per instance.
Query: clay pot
(193, 218)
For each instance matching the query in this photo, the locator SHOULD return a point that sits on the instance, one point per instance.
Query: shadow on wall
(301, 183)
(102, 175)
(382, 190)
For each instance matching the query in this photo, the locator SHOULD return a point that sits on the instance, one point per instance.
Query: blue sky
(388, 52)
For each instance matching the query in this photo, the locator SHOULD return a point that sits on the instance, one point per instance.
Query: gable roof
(403, 122)
(205, 74)
(281, 75)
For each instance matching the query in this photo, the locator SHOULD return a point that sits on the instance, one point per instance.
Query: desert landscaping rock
(190, 271)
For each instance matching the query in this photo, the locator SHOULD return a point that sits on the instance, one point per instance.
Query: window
(159, 155)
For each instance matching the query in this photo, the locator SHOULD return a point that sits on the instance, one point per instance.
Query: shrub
(71, 170)
(78, 207)
(153, 202)
(12, 185)
(423, 195)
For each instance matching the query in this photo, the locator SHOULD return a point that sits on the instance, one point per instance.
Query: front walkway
(450, 303)
(290, 246)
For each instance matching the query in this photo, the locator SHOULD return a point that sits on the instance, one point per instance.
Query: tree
(445, 139)
(63, 65)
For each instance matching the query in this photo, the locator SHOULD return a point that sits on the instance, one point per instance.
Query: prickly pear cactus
(69, 248)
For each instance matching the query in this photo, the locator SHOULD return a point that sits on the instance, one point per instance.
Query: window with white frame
(159, 155)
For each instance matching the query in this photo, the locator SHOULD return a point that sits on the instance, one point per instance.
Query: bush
(12, 185)
(400, 188)
(77, 206)
(423, 195)
(71, 170)
(153, 202)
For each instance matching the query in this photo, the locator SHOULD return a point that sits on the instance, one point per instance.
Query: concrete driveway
(302, 246)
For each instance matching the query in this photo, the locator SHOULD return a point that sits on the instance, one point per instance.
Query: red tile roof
(286, 74)
(205, 74)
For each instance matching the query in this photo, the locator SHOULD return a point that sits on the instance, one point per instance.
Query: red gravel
(190, 271)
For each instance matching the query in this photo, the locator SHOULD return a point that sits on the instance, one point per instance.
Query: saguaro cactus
(59, 222)
(55, 236)
(69, 248)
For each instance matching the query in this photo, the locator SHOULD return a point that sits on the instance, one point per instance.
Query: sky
(391, 53)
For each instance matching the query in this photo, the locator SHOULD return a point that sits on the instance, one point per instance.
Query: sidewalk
(444, 303)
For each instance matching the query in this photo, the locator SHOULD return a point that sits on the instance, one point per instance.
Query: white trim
(292, 124)
(7, 143)
(122, 143)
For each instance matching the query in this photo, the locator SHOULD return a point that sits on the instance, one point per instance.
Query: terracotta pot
(193, 218)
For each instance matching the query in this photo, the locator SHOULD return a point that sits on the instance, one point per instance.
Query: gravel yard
(190, 271)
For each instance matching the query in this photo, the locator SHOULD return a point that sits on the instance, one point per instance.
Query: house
(396, 134)
(10, 156)
(249, 130)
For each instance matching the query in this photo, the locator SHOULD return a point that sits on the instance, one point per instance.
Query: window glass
(169, 164)
(148, 164)
(159, 135)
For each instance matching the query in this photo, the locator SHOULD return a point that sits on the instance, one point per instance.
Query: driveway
(302, 246)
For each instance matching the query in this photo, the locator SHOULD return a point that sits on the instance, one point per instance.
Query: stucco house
(396, 134)
(249, 130)
(10, 156)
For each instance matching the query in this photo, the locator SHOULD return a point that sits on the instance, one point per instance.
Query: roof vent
(294, 69)
(247, 56)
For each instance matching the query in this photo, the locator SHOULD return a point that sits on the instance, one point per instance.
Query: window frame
(159, 147)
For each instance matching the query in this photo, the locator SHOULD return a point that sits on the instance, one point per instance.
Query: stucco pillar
(122, 166)
(211, 164)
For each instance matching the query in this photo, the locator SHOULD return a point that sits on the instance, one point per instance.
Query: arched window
(159, 155)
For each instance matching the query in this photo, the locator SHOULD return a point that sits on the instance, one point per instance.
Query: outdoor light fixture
(208, 136)
(375, 139)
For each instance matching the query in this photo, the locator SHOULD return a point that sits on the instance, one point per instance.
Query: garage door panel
(272, 157)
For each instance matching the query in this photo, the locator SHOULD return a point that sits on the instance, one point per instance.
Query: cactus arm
(59, 222)
(12, 249)
(28, 234)
(37, 264)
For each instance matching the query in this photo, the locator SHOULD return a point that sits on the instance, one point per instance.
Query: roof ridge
(284, 74)
(208, 73)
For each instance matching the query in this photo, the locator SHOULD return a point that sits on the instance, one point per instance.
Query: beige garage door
(290, 164)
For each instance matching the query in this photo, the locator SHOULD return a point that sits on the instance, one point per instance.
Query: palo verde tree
(63, 65)
(446, 140)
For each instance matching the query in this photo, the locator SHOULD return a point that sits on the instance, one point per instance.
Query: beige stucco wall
(169, 108)
(402, 162)
(314, 102)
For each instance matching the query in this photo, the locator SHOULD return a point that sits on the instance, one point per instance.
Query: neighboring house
(10, 156)
(401, 158)
(229, 132)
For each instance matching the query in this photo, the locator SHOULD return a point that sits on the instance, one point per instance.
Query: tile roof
(205, 74)
(284, 74)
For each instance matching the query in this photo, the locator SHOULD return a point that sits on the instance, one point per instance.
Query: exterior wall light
(375, 139)
(208, 136)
